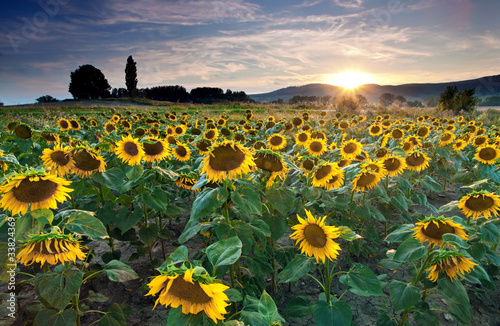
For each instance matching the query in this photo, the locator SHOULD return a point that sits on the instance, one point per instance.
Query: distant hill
(485, 86)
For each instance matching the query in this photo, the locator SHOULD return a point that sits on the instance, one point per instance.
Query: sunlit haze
(255, 46)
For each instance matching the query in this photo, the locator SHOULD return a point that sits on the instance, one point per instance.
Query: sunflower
(480, 203)
(316, 147)
(87, 162)
(193, 292)
(297, 122)
(50, 136)
(397, 134)
(259, 145)
(53, 248)
(336, 181)
(115, 118)
(459, 145)
(180, 130)
(350, 149)
(267, 160)
(415, 140)
(315, 238)
(126, 124)
(394, 165)
(375, 129)
(323, 174)
(155, 149)
(446, 138)
(129, 150)
(36, 188)
(487, 154)
(140, 131)
(63, 124)
(423, 132)
(479, 141)
(308, 164)
(58, 159)
(221, 122)
(75, 125)
(239, 137)
(186, 181)
(453, 263)
(343, 125)
(181, 152)
(432, 229)
(333, 146)
(366, 179)
(227, 160)
(417, 161)
(276, 142)
(318, 135)
(203, 146)
(375, 166)
(23, 131)
(109, 127)
(3, 164)
(302, 138)
(211, 134)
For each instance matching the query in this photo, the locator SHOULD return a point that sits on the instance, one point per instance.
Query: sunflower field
(248, 216)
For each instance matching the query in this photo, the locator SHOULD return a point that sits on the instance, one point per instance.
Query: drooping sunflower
(375, 166)
(366, 179)
(155, 149)
(446, 138)
(203, 146)
(316, 147)
(259, 145)
(192, 291)
(382, 152)
(394, 165)
(487, 154)
(302, 138)
(87, 162)
(307, 164)
(63, 124)
(417, 161)
(53, 248)
(129, 150)
(276, 142)
(23, 131)
(480, 203)
(453, 263)
(182, 152)
(186, 181)
(350, 149)
(267, 160)
(323, 173)
(432, 229)
(315, 238)
(37, 189)
(58, 159)
(50, 136)
(227, 160)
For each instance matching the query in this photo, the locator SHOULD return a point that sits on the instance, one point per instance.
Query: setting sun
(350, 79)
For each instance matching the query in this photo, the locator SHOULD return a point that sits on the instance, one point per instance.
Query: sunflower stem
(328, 280)
(422, 269)
(231, 274)
(161, 240)
(273, 275)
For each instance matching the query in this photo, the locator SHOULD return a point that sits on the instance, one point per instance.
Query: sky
(253, 46)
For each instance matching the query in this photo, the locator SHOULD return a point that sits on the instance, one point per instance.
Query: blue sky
(254, 46)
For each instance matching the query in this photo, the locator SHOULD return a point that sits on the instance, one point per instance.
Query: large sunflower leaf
(403, 295)
(410, 249)
(298, 267)
(51, 317)
(224, 252)
(63, 281)
(85, 223)
(207, 201)
(281, 198)
(363, 281)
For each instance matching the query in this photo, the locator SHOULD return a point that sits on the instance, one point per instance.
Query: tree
(131, 76)
(46, 99)
(387, 99)
(447, 97)
(400, 99)
(456, 101)
(88, 82)
(415, 104)
(361, 99)
(431, 102)
(1, 103)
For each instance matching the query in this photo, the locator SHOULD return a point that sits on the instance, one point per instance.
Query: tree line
(88, 82)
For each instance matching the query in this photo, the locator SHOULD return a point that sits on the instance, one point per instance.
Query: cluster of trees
(88, 82)
(46, 99)
(490, 101)
(454, 100)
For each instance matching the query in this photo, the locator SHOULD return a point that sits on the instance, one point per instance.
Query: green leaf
(224, 252)
(384, 320)
(403, 295)
(180, 255)
(148, 234)
(134, 173)
(113, 178)
(157, 199)
(455, 240)
(281, 198)
(400, 202)
(125, 219)
(295, 269)
(26, 225)
(251, 318)
(410, 249)
(116, 315)
(177, 318)
(233, 295)
(259, 264)
(426, 318)
(430, 184)
(489, 232)
(347, 234)
(207, 201)
(277, 225)
(247, 200)
(299, 307)
(84, 222)
(363, 281)
(190, 230)
(51, 317)
(457, 299)
(268, 309)
(64, 282)
(43, 215)
(118, 271)
(477, 251)
(451, 206)
(97, 297)
(337, 314)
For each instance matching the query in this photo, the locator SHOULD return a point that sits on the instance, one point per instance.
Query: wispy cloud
(349, 3)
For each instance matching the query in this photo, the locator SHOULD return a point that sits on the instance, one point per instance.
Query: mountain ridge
(485, 86)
